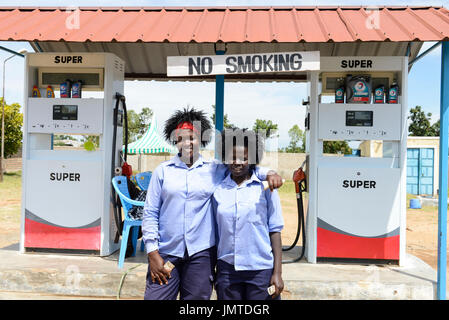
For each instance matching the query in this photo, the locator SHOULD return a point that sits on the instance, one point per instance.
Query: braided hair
(191, 116)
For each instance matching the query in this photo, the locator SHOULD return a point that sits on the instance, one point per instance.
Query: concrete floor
(63, 276)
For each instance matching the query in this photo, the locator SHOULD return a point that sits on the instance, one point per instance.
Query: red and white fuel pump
(67, 200)
(357, 205)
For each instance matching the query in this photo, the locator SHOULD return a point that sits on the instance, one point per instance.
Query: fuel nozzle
(119, 96)
(299, 176)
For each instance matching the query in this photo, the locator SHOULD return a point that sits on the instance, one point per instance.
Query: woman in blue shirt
(178, 224)
(249, 221)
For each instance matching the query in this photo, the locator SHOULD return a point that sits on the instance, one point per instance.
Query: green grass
(287, 191)
(287, 187)
(10, 198)
(11, 187)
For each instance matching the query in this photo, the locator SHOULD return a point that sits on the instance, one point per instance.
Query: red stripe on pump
(39, 235)
(335, 245)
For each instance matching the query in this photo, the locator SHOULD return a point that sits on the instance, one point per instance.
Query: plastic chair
(129, 224)
(143, 180)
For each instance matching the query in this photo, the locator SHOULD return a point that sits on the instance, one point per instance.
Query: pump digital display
(55, 79)
(359, 118)
(65, 112)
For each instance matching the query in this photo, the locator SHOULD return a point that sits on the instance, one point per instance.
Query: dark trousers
(192, 278)
(242, 285)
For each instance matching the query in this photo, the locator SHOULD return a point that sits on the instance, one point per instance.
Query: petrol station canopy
(144, 36)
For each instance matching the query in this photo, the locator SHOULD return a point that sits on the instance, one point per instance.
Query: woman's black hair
(199, 120)
(250, 139)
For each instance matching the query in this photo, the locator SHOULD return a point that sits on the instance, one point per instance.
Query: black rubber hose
(126, 126)
(301, 225)
(299, 204)
(115, 201)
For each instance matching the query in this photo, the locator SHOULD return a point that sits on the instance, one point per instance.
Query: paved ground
(51, 276)
(11, 295)
(35, 274)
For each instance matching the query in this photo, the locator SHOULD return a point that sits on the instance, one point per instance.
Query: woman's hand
(276, 279)
(274, 180)
(158, 272)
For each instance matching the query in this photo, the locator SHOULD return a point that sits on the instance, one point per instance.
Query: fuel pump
(67, 200)
(356, 206)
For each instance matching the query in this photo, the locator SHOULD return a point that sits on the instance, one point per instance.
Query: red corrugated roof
(226, 24)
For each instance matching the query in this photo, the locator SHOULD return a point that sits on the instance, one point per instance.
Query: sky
(279, 102)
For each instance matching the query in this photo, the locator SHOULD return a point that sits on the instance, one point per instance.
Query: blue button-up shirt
(178, 212)
(245, 216)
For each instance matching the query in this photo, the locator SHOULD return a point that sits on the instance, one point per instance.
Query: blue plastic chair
(143, 180)
(129, 224)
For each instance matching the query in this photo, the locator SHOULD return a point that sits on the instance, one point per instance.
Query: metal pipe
(442, 194)
(38, 47)
(11, 51)
(408, 50)
(219, 107)
(424, 53)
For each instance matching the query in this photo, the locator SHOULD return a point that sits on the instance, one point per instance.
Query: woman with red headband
(178, 224)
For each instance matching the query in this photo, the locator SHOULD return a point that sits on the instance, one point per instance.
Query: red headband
(185, 125)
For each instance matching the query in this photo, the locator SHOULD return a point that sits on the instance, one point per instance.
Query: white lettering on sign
(240, 64)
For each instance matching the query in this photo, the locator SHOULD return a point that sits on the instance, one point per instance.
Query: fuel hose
(299, 178)
(114, 198)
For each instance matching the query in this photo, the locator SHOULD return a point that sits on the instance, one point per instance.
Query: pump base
(335, 245)
(40, 235)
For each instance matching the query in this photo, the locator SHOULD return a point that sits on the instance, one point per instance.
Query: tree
(226, 123)
(339, 147)
(144, 119)
(420, 123)
(91, 143)
(436, 129)
(138, 123)
(266, 125)
(296, 135)
(133, 126)
(13, 129)
(63, 137)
